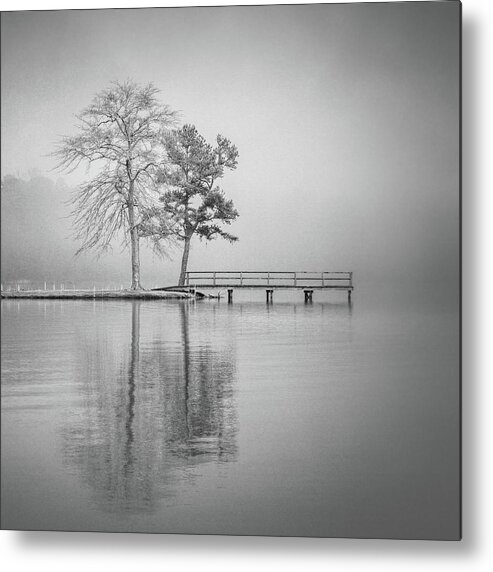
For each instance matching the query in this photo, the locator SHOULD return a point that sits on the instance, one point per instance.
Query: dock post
(269, 296)
(230, 295)
(349, 296)
(308, 296)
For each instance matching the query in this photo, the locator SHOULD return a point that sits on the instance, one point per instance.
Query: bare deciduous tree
(120, 133)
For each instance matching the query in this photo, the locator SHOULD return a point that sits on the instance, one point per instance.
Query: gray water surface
(289, 419)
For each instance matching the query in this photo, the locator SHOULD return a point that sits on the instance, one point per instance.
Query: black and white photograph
(230, 270)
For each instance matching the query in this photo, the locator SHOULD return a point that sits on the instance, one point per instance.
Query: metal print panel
(230, 270)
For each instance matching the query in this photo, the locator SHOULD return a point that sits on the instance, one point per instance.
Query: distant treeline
(36, 235)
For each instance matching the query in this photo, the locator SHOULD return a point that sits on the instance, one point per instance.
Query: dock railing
(272, 279)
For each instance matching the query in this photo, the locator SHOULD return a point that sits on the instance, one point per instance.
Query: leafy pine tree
(193, 203)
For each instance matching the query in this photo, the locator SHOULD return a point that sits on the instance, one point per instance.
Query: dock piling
(230, 295)
(269, 296)
(308, 296)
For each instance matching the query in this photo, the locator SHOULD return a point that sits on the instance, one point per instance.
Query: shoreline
(96, 295)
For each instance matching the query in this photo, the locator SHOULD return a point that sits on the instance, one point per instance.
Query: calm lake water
(289, 419)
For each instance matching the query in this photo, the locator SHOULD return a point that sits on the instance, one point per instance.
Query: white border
(55, 552)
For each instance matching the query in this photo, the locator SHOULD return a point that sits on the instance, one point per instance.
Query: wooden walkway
(270, 281)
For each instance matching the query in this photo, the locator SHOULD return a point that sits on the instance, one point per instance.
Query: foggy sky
(346, 118)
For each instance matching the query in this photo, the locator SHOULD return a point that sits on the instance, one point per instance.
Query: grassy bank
(95, 294)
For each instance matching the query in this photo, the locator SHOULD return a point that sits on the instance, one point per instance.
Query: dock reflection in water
(151, 413)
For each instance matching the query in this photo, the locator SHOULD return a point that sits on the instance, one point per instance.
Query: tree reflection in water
(153, 412)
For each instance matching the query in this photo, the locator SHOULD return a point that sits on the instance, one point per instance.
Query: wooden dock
(270, 281)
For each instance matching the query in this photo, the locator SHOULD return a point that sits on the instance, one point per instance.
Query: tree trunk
(132, 380)
(134, 240)
(184, 261)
